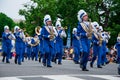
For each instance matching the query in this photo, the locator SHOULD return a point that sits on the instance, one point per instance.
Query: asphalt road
(33, 70)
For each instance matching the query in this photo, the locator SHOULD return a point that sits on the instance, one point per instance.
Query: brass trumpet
(37, 30)
(119, 34)
(23, 30)
(65, 28)
(26, 34)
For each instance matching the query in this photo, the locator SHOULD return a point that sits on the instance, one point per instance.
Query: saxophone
(90, 30)
(52, 35)
(100, 39)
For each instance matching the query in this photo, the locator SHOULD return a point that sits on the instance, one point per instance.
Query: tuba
(37, 30)
(37, 41)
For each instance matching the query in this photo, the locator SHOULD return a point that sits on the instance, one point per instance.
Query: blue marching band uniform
(35, 47)
(28, 47)
(48, 36)
(97, 45)
(59, 41)
(76, 46)
(117, 47)
(19, 44)
(89, 33)
(48, 41)
(82, 28)
(7, 36)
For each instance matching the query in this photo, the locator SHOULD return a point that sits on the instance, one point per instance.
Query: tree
(5, 20)
(35, 12)
(104, 12)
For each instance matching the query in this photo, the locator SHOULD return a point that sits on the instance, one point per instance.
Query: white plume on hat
(58, 23)
(16, 28)
(6, 27)
(118, 38)
(95, 24)
(46, 18)
(59, 19)
(101, 28)
(103, 35)
(74, 30)
(81, 14)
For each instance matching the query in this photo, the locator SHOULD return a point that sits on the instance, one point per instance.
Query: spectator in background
(71, 53)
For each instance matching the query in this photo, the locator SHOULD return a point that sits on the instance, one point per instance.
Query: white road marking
(108, 77)
(10, 78)
(62, 77)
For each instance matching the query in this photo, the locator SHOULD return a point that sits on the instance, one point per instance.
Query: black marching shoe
(91, 65)
(81, 66)
(59, 63)
(103, 64)
(76, 62)
(15, 60)
(49, 66)
(99, 66)
(7, 61)
(84, 69)
(19, 64)
(107, 62)
(3, 59)
(55, 61)
(39, 60)
(44, 64)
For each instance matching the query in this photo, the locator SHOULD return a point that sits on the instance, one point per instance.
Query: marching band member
(103, 59)
(59, 40)
(76, 46)
(48, 35)
(107, 34)
(41, 43)
(41, 46)
(35, 47)
(28, 46)
(84, 34)
(24, 47)
(7, 36)
(117, 47)
(97, 50)
(53, 55)
(20, 37)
